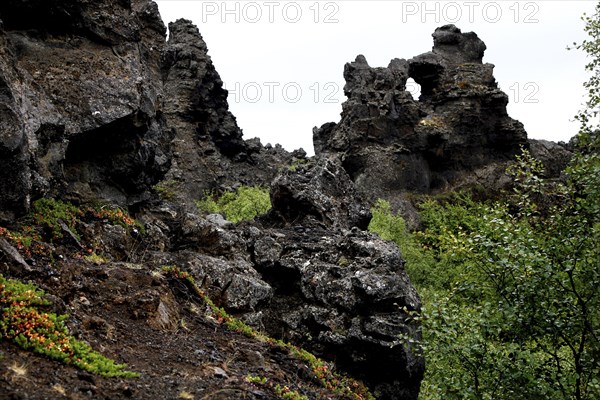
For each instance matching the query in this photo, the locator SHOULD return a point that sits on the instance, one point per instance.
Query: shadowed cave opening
(111, 156)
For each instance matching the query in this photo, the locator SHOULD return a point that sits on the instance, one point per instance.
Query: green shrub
(48, 213)
(509, 289)
(521, 319)
(245, 204)
(419, 265)
(167, 190)
(297, 163)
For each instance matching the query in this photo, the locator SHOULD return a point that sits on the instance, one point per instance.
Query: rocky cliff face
(337, 289)
(97, 107)
(390, 143)
(208, 149)
(81, 103)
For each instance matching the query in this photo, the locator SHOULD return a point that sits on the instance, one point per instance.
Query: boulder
(554, 156)
(318, 193)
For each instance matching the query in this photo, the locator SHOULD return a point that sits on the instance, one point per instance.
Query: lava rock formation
(97, 106)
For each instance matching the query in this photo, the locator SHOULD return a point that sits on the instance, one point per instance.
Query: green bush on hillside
(511, 306)
(245, 204)
(389, 226)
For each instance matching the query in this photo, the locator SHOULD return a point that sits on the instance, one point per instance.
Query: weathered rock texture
(322, 194)
(391, 144)
(308, 273)
(80, 109)
(554, 156)
(93, 100)
(338, 290)
(208, 150)
(96, 106)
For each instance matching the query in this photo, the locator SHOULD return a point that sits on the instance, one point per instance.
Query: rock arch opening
(413, 88)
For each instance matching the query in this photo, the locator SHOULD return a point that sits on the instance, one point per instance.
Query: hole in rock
(40, 15)
(110, 154)
(413, 88)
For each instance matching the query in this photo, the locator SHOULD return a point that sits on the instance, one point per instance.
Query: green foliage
(47, 222)
(23, 322)
(256, 380)
(591, 46)
(49, 212)
(510, 289)
(23, 241)
(516, 313)
(387, 225)
(114, 215)
(245, 204)
(167, 190)
(446, 221)
(297, 163)
(288, 394)
(523, 319)
(283, 392)
(209, 204)
(419, 265)
(95, 258)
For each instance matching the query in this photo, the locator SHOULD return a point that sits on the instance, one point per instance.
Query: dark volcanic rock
(108, 22)
(80, 101)
(341, 295)
(93, 102)
(338, 291)
(554, 156)
(208, 150)
(320, 193)
(190, 76)
(307, 273)
(390, 143)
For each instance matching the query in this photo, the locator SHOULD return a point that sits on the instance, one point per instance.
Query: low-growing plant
(257, 380)
(282, 391)
(167, 190)
(185, 395)
(95, 258)
(114, 215)
(244, 204)
(47, 222)
(24, 322)
(288, 394)
(297, 163)
(48, 213)
(20, 240)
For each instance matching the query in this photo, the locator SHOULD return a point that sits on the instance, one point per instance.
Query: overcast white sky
(283, 61)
